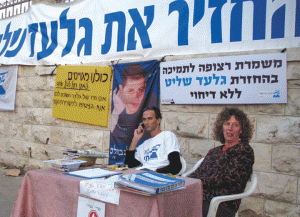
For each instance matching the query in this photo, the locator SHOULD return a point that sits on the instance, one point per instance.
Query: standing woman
(227, 168)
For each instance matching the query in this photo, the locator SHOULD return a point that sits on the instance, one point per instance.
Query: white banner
(8, 85)
(248, 79)
(101, 30)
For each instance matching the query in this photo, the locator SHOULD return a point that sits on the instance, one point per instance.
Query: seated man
(159, 153)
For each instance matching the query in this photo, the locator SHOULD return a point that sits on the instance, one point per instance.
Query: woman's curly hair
(225, 115)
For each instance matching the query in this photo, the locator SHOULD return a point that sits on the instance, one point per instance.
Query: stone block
(198, 148)
(176, 108)
(272, 129)
(29, 115)
(54, 152)
(214, 109)
(6, 116)
(50, 83)
(263, 156)
(187, 124)
(293, 54)
(62, 136)
(14, 161)
(17, 147)
(292, 107)
(272, 109)
(44, 70)
(43, 99)
(293, 70)
(106, 140)
(286, 159)
(298, 196)
(163, 121)
(36, 83)
(279, 209)
(24, 99)
(276, 187)
(21, 131)
(184, 147)
(253, 205)
(34, 164)
(49, 120)
(37, 151)
(3, 144)
(212, 120)
(26, 71)
(88, 139)
(22, 84)
(4, 129)
(293, 84)
(40, 134)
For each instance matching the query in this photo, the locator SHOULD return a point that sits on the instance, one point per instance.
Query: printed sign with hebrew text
(81, 94)
(247, 79)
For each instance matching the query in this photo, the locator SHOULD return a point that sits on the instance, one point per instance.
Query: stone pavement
(9, 187)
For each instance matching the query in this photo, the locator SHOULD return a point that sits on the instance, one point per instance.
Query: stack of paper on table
(93, 173)
(149, 183)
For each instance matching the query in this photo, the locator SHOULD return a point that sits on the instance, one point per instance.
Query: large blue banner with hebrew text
(100, 30)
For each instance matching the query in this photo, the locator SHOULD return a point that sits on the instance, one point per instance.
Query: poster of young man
(136, 86)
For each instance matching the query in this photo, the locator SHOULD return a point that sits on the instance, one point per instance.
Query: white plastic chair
(214, 203)
(193, 169)
(183, 166)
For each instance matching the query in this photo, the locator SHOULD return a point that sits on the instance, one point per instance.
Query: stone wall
(30, 134)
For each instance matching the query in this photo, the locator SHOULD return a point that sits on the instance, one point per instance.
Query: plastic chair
(183, 166)
(214, 203)
(193, 169)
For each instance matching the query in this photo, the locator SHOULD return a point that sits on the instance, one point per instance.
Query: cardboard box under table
(49, 192)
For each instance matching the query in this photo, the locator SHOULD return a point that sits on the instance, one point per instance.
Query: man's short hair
(133, 71)
(156, 111)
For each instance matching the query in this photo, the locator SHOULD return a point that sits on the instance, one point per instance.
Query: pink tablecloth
(50, 193)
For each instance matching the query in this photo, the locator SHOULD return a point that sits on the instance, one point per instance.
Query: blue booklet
(151, 182)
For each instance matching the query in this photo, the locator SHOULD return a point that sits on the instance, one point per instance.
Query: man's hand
(138, 133)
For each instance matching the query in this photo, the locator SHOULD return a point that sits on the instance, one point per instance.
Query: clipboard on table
(93, 173)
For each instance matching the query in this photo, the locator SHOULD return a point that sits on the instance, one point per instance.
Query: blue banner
(135, 87)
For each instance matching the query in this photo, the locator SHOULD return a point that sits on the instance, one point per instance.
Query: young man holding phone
(161, 153)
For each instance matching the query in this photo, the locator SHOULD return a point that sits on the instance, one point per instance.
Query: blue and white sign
(248, 79)
(100, 30)
(8, 85)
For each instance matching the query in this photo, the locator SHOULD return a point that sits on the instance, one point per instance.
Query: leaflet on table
(89, 207)
(93, 173)
(151, 182)
(101, 189)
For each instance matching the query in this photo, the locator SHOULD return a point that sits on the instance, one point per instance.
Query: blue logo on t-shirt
(151, 154)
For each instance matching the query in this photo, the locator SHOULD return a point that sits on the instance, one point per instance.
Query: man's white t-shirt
(153, 153)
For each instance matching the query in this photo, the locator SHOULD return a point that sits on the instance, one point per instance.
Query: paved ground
(9, 187)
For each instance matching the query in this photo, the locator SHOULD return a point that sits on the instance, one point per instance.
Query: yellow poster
(81, 94)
